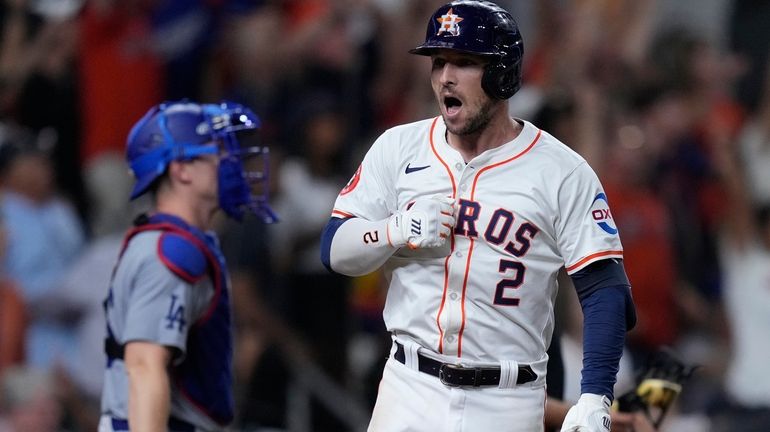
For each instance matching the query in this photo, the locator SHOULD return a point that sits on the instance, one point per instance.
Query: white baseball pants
(413, 401)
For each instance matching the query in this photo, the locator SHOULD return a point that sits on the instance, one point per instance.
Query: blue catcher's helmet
(482, 28)
(185, 130)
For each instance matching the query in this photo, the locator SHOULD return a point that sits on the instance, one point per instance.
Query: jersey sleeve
(370, 193)
(585, 227)
(161, 306)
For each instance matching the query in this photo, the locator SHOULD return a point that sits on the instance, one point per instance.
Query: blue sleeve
(608, 311)
(326, 240)
(602, 274)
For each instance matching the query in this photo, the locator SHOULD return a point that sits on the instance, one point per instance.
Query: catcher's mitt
(658, 385)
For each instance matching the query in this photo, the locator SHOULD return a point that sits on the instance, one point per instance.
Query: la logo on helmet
(449, 23)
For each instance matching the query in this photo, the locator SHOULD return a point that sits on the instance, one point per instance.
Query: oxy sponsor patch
(600, 213)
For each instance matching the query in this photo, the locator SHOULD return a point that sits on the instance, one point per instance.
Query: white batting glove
(591, 413)
(427, 224)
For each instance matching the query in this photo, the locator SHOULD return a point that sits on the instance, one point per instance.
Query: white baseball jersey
(524, 210)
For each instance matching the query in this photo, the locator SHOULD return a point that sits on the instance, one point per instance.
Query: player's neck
(197, 215)
(499, 131)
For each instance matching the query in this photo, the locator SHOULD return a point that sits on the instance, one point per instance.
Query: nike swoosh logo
(409, 169)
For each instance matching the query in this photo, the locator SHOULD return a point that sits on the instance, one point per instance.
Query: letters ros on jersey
(600, 212)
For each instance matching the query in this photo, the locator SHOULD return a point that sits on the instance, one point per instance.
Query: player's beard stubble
(475, 123)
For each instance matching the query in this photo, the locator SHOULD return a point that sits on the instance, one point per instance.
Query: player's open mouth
(452, 105)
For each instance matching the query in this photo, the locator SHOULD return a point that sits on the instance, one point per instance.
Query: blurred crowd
(668, 100)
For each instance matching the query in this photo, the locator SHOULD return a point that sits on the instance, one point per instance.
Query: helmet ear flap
(494, 79)
(502, 79)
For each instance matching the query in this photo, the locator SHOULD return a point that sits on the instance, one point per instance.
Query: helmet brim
(140, 187)
(430, 49)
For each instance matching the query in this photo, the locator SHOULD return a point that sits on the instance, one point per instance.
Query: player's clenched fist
(428, 223)
(591, 413)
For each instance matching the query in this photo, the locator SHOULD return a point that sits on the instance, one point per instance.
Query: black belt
(455, 375)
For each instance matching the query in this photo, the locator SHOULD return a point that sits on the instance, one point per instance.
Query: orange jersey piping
(343, 214)
(593, 256)
(451, 242)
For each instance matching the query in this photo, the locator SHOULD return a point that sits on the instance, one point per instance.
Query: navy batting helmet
(482, 28)
(185, 130)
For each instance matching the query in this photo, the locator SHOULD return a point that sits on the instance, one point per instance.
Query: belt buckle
(442, 374)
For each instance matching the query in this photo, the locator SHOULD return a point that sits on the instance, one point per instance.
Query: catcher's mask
(482, 28)
(179, 131)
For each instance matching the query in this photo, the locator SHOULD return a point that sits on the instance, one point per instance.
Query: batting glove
(591, 413)
(428, 223)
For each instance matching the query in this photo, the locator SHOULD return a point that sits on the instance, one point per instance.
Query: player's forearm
(149, 400)
(355, 246)
(149, 397)
(608, 312)
(604, 329)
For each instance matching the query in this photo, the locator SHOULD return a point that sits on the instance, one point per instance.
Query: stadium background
(648, 91)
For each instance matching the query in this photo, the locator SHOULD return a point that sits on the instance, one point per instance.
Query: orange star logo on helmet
(449, 23)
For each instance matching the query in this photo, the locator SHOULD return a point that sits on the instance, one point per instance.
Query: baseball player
(169, 342)
(472, 214)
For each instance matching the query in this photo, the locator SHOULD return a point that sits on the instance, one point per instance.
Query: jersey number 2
(513, 283)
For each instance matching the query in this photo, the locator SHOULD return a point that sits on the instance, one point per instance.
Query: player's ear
(179, 171)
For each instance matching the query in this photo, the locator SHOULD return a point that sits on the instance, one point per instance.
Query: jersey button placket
(452, 314)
